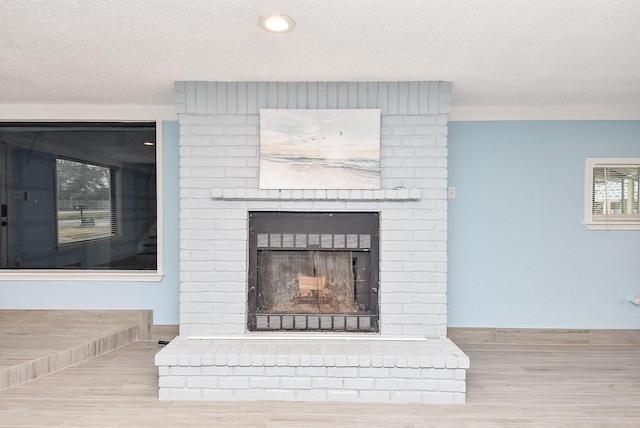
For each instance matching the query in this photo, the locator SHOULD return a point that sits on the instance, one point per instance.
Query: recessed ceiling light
(276, 23)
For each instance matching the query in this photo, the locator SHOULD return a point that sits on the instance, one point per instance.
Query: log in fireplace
(313, 271)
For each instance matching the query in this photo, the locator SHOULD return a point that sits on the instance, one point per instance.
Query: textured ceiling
(497, 53)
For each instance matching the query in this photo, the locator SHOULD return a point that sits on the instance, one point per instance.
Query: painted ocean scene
(320, 149)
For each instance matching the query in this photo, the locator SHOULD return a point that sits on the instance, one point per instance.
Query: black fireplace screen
(313, 271)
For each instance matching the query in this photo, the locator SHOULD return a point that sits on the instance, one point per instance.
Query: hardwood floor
(511, 383)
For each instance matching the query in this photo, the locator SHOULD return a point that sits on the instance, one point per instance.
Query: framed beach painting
(319, 149)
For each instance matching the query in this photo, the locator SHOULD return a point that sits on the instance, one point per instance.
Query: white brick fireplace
(215, 357)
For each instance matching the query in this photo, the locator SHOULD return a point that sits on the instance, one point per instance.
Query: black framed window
(78, 196)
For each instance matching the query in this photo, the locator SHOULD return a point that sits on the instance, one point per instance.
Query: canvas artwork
(319, 149)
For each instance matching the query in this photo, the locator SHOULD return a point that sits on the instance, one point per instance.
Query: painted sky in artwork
(330, 134)
(312, 149)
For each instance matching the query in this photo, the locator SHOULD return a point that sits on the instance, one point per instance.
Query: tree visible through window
(85, 202)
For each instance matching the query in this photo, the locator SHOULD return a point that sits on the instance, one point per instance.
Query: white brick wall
(219, 149)
(369, 370)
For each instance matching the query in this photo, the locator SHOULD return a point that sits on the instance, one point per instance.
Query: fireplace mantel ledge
(397, 194)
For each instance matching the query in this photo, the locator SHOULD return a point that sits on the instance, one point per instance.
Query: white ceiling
(499, 54)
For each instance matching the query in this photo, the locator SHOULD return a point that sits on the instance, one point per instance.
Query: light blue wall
(519, 255)
(162, 297)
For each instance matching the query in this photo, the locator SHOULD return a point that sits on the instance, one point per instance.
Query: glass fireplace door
(313, 271)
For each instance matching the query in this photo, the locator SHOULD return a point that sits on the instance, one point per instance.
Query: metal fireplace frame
(356, 232)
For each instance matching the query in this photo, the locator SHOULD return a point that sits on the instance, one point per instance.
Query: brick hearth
(328, 368)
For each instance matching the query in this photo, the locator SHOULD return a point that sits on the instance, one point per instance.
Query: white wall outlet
(451, 192)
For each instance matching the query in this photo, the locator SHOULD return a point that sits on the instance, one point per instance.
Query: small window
(612, 193)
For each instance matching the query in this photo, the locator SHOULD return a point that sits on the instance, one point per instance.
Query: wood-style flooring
(37, 342)
(513, 382)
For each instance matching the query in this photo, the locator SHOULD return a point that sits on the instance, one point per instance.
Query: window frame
(618, 222)
(100, 274)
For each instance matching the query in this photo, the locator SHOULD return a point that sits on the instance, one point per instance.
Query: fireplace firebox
(313, 271)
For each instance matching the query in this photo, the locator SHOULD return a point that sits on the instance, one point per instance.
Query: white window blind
(613, 193)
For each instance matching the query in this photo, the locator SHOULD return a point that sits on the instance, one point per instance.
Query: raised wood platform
(37, 342)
